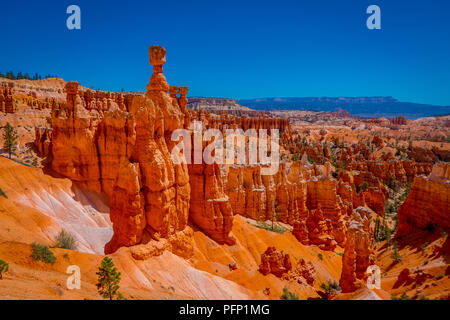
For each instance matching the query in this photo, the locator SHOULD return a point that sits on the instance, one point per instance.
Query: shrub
(287, 295)
(276, 228)
(4, 267)
(404, 296)
(363, 186)
(42, 252)
(330, 287)
(3, 194)
(439, 276)
(320, 256)
(65, 240)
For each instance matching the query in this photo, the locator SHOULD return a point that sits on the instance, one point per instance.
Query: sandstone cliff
(428, 202)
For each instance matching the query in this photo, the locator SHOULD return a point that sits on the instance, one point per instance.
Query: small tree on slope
(4, 267)
(10, 140)
(108, 280)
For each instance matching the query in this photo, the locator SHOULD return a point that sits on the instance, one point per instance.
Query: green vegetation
(404, 296)
(287, 295)
(108, 280)
(18, 76)
(330, 287)
(320, 256)
(276, 211)
(275, 228)
(395, 254)
(393, 184)
(3, 194)
(10, 140)
(43, 253)
(4, 267)
(363, 186)
(65, 240)
(439, 276)
(381, 230)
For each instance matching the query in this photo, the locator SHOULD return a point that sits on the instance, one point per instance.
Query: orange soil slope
(423, 253)
(251, 243)
(82, 213)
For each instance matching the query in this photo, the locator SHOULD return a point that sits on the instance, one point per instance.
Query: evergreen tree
(386, 231)
(10, 140)
(395, 254)
(108, 280)
(276, 211)
(4, 267)
(376, 231)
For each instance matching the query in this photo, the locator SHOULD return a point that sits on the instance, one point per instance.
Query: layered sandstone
(276, 262)
(428, 202)
(7, 104)
(358, 249)
(120, 146)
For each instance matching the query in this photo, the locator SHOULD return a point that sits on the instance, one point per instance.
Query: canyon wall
(428, 202)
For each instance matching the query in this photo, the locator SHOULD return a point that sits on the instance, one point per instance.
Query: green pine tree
(108, 280)
(10, 140)
(276, 211)
(395, 254)
(4, 267)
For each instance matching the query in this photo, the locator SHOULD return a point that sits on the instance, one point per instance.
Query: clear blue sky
(239, 49)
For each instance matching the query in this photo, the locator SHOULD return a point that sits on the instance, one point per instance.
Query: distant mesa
(215, 104)
(364, 107)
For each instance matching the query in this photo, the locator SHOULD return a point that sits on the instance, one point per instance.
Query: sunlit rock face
(428, 202)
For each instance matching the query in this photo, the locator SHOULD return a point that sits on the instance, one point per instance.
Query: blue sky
(239, 49)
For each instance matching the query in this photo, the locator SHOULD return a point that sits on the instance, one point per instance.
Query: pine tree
(10, 140)
(386, 231)
(108, 280)
(376, 231)
(276, 211)
(395, 254)
(4, 267)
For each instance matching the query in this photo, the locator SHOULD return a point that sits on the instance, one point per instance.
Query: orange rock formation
(428, 202)
(358, 249)
(275, 262)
